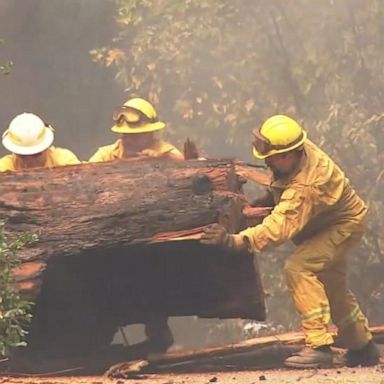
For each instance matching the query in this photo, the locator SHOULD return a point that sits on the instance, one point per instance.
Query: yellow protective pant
(316, 277)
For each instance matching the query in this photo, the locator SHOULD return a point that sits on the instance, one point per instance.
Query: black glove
(216, 234)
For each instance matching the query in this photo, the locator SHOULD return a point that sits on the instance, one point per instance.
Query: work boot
(320, 357)
(367, 356)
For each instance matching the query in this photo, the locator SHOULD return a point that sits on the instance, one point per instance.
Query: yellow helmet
(278, 134)
(136, 116)
(27, 134)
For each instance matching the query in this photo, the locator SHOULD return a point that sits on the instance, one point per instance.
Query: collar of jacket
(118, 149)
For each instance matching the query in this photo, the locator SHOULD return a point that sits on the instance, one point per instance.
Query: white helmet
(27, 134)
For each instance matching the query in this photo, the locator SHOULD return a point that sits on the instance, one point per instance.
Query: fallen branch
(290, 338)
(261, 352)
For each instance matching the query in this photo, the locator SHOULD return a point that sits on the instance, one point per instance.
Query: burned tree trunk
(119, 241)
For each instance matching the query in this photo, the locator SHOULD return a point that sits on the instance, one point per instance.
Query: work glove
(216, 234)
(150, 153)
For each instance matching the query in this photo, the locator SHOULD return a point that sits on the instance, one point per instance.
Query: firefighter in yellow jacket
(30, 141)
(316, 207)
(136, 121)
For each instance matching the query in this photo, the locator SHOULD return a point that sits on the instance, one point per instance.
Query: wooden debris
(261, 352)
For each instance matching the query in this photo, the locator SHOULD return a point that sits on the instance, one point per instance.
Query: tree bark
(93, 206)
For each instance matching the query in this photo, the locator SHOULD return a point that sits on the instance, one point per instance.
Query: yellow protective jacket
(313, 198)
(116, 151)
(54, 157)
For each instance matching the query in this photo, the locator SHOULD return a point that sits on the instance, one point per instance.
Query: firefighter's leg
(158, 332)
(351, 323)
(309, 296)
(308, 293)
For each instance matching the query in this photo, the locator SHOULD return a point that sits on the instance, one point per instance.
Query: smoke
(53, 74)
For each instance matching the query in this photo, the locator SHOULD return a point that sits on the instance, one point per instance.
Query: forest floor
(273, 376)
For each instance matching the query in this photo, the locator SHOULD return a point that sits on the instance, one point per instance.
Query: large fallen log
(119, 241)
(99, 206)
(139, 198)
(118, 203)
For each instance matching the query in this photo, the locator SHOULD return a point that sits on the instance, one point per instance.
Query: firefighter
(136, 121)
(316, 207)
(30, 141)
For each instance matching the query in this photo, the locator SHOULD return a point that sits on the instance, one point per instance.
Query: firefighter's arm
(97, 157)
(6, 164)
(175, 154)
(164, 150)
(67, 157)
(285, 221)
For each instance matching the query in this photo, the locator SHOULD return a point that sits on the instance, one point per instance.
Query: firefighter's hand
(150, 153)
(216, 234)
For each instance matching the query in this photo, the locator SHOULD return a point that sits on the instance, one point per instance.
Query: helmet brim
(261, 156)
(150, 127)
(32, 150)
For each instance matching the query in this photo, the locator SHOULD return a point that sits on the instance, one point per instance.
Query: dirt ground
(330, 376)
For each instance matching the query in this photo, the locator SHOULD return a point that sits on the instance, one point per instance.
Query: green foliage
(218, 68)
(5, 68)
(14, 312)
